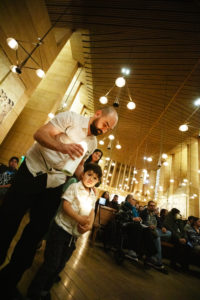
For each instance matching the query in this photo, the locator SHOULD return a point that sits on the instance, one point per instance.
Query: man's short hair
(14, 157)
(151, 201)
(95, 168)
(190, 218)
(108, 110)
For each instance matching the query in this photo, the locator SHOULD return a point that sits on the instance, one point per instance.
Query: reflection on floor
(93, 274)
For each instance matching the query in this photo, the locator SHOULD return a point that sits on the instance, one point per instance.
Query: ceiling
(160, 42)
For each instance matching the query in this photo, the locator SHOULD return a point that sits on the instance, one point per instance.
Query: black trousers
(59, 248)
(26, 193)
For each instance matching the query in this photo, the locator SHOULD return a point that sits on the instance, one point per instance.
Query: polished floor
(92, 274)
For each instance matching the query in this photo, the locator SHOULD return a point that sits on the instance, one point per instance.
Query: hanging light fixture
(118, 146)
(120, 82)
(131, 105)
(111, 137)
(103, 100)
(164, 156)
(183, 127)
(12, 43)
(101, 142)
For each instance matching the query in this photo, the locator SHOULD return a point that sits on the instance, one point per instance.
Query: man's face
(115, 198)
(102, 124)
(151, 207)
(13, 164)
(90, 179)
(132, 201)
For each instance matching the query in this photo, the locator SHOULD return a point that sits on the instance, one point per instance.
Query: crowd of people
(146, 228)
(62, 208)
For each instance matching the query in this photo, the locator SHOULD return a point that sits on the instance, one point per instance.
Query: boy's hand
(83, 229)
(83, 220)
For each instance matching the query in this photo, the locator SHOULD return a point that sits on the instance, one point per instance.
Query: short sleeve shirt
(73, 129)
(81, 201)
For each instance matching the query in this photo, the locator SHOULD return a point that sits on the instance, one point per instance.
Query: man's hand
(83, 229)
(152, 226)
(164, 230)
(137, 219)
(83, 220)
(74, 150)
(182, 241)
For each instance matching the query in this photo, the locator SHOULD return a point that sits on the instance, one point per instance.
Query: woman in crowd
(106, 196)
(94, 157)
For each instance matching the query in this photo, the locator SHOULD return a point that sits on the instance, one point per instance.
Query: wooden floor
(93, 274)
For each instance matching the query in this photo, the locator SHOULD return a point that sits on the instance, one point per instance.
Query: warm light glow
(109, 174)
(135, 172)
(118, 146)
(136, 182)
(103, 100)
(101, 160)
(145, 158)
(199, 171)
(172, 180)
(113, 164)
(131, 105)
(40, 73)
(125, 71)
(149, 159)
(13, 68)
(120, 82)
(183, 127)
(101, 142)
(160, 188)
(164, 156)
(107, 158)
(197, 102)
(12, 43)
(151, 187)
(111, 137)
(185, 180)
(183, 184)
(144, 170)
(165, 163)
(51, 115)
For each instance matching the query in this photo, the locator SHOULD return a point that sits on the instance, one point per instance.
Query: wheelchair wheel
(119, 257)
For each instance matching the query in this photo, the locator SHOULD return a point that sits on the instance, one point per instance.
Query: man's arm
(46, 137)
(82, 220)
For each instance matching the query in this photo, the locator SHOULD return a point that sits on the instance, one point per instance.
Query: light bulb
(101, 142)
(183, 127)
(107, 158)
(40, 73)
(164, 156)
(165, 163)
(118, 146)
(149, 158)
(51, 115)
(131, 105)
(111, 137)
(12, 43)
(197, 102)
(145, 158)
(120, 82)
(13, 68)
(171, 180)
(103, 100)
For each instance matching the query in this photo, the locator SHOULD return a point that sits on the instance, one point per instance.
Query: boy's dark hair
(14, 157)
(96, 169)
(190, 218)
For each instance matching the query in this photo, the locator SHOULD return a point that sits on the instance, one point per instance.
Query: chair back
(104, 215)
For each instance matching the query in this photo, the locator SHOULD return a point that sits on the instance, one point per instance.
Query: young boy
(75, 217)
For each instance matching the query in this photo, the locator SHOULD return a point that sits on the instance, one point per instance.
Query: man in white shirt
(38, 185)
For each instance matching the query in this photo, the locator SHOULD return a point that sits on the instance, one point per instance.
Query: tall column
(113, 174)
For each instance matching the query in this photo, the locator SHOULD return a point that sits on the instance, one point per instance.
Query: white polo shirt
(81, 201)
(73, 129)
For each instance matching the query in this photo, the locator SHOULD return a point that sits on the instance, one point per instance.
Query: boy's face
(90, 179)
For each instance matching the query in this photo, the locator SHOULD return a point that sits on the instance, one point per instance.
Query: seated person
(75, 217)
(7, 174)
(189, 224)
(106, 196)
(150, 219)
(194, 235)
(163, 214)
(114, 203)
(174, 223)
(140, 240)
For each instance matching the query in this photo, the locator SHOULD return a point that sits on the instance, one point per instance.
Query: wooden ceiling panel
(160, 42)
